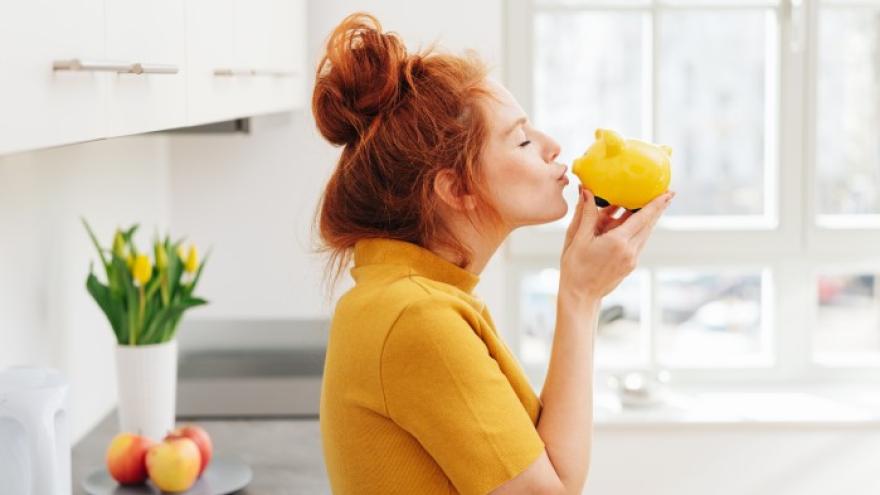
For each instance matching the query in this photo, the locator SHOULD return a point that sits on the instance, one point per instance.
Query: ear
(613, 141)
(448, 189)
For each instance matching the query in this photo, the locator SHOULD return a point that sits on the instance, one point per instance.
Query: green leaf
(129, 239)
(130, 296)
(153, 284)
(172, 327)
(171, 330)
(157, 330)
(175, 271)
(95, 242)
(130, 232)
(112, 309)
(117, 275)
(153, 307)
(162, 247)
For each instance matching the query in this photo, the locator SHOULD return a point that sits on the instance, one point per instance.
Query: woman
(439, 165)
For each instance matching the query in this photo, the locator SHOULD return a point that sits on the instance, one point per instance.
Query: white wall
(47, 317)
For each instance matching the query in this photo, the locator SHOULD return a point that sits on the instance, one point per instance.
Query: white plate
(223, 475)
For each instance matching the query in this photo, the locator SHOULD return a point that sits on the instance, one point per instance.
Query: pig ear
(666, 149)
(613, 141)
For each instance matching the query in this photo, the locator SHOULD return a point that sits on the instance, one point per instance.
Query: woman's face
(525, 183)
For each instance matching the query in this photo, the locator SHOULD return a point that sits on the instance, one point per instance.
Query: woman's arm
(566, 421)
(599, 252)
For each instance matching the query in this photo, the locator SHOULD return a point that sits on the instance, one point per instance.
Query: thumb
(576, 219)
(589, 217)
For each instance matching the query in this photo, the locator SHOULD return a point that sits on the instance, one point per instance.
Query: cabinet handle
(276, 73)
(233, 72)
(252, 72)
(76, 64)
(139, 68)
(89, 65)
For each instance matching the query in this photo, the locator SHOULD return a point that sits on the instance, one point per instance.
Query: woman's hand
(600, 250)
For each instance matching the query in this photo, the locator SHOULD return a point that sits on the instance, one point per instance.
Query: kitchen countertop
(284, 453)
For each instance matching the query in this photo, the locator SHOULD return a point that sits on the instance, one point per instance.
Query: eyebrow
(520, 121)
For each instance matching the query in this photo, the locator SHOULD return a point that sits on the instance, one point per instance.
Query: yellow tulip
(192, 260)
(180, 253)
(161, 257)
(141, 269)
(119, 244)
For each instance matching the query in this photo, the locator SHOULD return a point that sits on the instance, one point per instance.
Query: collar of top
(380, 250)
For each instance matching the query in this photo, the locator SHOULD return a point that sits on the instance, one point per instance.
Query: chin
(560, 210)
(540, 212)
(550, 215)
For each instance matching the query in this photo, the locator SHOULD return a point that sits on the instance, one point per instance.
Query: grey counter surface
(285, 453)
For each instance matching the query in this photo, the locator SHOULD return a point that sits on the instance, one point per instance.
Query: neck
(482, 244)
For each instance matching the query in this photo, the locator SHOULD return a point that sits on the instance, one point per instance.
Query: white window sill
(797, 406)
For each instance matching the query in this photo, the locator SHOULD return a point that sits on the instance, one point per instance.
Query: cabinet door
(253, 49)
(149, 33)
(288, 38)
(41, 106)
(212, 74)
(270, 40)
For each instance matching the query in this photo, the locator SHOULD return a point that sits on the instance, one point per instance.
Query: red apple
(198, 435)
(126, 456)
(173, 464)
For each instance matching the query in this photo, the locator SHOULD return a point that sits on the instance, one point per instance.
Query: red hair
(401, 119)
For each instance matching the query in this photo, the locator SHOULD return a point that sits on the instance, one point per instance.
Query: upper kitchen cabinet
(246, 57)
(149, 38)
(80, 70)
(41, 106)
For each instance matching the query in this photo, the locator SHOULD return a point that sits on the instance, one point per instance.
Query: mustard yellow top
(420, 394)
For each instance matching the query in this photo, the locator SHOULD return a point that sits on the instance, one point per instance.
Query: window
(772, 109)
(622, 337)
(848, 107)
(848, 320)
(711, 318)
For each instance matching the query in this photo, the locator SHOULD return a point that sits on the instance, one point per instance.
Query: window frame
(795, 244)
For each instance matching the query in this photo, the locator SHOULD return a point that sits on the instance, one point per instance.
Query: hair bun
(358, 78)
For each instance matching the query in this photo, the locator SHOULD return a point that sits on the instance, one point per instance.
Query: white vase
(147, 385)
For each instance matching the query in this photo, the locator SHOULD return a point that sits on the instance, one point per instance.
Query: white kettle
(34, 433)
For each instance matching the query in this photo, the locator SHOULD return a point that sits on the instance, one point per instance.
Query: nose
(553, 148)
(552, 151)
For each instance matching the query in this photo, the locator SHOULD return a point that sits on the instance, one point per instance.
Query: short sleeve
(442, 386)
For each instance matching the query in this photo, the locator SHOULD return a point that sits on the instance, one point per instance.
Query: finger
(645, 216)
(638, 241)
(576, 220)
(605, 217)
(587, 226)
(613, 223)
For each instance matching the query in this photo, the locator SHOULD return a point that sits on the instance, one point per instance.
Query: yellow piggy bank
(624, 172)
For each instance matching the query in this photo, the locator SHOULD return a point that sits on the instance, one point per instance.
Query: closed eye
(524, 143)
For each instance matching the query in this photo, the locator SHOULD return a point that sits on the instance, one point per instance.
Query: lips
(562, 175)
